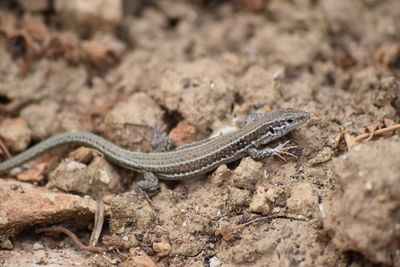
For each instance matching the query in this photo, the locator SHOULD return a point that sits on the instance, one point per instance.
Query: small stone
(261, 202)
(183, 133)
(162, 248)
(97, 14)
(368, 186)
(6, 244)
(324, 155)
(37, 246)
(224, 130)
(221, 174)
(104, 177)
(96, 179)
(215, 262)
(139, 259)
(276, 210)
(247, 174)
(82, 154)
(35, 174)
(388, 54)
(286, 231)
(270, 194)
(15, 133)
(74, 165)
(321, 209)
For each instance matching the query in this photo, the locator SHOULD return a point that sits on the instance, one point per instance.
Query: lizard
(189, 160)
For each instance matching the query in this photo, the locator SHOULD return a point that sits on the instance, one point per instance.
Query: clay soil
(193, 68)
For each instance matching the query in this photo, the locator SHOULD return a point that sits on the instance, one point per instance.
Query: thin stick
(378, 132)
(275, 216)
(350, 140)
(75, 240)
(5, 150)
(98, 223)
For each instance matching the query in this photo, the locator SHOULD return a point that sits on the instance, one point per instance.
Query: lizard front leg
(279, 151)
(149, 184)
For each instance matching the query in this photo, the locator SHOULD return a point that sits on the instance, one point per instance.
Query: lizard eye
(290, 121)
(272, 130)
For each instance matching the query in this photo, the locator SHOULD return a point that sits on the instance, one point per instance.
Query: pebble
(215, 262)
(162, 248)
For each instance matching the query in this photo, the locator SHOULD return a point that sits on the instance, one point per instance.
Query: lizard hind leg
(161, 142)
(149, 184)
(147, 187)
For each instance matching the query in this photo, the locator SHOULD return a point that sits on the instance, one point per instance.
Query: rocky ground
(120, 69)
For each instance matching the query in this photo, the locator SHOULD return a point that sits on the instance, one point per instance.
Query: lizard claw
(282, 149)
(279, 151)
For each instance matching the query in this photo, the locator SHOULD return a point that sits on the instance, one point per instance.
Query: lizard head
(276, 124)
(290, 118)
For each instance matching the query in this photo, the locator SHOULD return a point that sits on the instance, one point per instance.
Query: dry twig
(75, 240)
(3, 148)
(98, 223)
(351, 141)
(228, 233)
(275, 216)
